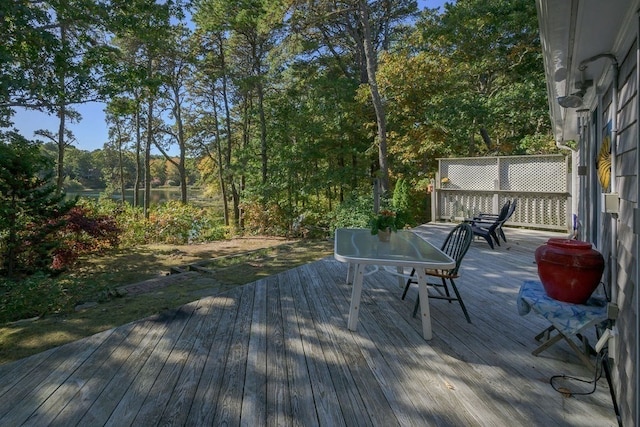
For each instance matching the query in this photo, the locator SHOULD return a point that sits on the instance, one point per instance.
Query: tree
(238, 36)
(56, 57)
(145, 30)
(378, 105)
(355, 32)
(211, 121)
(496, 79)
(121, 129)
(30, 206)
(177, 66)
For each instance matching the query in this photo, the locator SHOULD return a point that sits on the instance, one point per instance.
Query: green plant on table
(385, 219)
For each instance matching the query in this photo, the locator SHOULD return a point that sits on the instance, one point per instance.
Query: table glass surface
(358, 245)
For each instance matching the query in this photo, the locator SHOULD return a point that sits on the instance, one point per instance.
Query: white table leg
(349, 270)
(401, 278)
(355, 296)
(425, 311)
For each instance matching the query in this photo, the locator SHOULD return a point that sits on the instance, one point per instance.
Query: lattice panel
(470, 174)
(534, 173)
(517, 173)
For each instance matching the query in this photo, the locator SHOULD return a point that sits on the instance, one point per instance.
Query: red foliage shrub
(83, 232)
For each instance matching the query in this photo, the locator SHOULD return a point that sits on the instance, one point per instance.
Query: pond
(158, 195)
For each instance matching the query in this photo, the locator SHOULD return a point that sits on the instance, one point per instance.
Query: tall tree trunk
(12, 242)
(61, 146)
(485, 137)
(121, 163)
(246, 125)
(263, 133)
(147, 158)
(182, 170)
(375, 96)
(62, 114)
(122, 186)
(136, 183)
(221, 167)
(229, 147)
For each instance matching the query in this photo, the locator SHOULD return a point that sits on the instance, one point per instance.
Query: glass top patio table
(358, 247)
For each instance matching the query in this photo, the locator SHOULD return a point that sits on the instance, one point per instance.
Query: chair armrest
(485, 216)
(482, 223)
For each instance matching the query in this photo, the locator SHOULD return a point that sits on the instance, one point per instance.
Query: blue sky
(91, 133)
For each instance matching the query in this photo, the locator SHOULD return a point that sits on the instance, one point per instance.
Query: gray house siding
(624, 350)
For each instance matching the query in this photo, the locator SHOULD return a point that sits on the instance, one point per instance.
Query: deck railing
(467, 186)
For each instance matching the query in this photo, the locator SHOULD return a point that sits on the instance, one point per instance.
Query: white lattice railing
(467, 186)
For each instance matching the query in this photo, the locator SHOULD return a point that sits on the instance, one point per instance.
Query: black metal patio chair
(456, 246)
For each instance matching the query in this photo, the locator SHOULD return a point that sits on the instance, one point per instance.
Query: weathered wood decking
(277, 352)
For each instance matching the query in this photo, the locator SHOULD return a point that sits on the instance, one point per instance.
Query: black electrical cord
(597, 375)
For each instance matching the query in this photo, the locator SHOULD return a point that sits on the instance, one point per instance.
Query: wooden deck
(277, 352)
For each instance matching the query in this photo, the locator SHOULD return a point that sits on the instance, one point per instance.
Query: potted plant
(385, 222)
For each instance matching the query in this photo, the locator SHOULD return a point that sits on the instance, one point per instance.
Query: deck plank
(183, 394)
(229, 403)
(278, 406)
(278, 352)
(203, 407)
(300, 398)
(349, 370)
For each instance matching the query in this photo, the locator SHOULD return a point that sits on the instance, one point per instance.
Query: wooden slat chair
(489, 229)
(456, 246)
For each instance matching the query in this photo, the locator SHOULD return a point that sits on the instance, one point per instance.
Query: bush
(72, 185)
(176, 223)
(401, 202)
(353, 212)
(31, 208)
(310, 225)
(270, 220)
(85, 231)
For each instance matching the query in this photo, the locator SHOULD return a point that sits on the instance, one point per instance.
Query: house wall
(623, 349)
(626, 186)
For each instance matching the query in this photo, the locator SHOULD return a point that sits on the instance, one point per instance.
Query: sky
(91, 132)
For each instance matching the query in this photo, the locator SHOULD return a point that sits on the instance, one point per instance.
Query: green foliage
(354, 212)
(129, 219)
(270, 220)
(171, 222)
(385, 219)
(480, 64)
(72, 185)
(401, 200)
(34, 296)
(177, 223)
(277, 105)
(31, 209)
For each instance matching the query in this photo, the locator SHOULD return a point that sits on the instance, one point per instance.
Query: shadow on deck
(277, 351)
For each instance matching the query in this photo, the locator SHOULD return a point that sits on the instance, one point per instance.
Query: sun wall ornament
(604, 163)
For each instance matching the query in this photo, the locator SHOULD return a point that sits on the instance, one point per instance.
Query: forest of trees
(297, 104)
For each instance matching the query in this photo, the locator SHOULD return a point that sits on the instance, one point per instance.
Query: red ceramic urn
(569, 270)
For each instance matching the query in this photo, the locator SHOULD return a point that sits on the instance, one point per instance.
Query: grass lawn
(233, 262)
